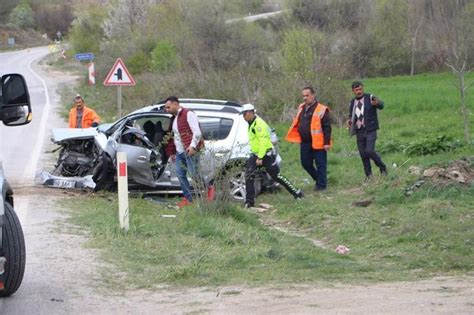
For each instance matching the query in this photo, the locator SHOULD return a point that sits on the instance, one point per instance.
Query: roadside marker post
(91, 68)
(122, 182)
(119, 76)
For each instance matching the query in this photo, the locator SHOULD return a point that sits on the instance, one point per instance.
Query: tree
(51, 18)
(390, 38)
(86, 31)
(22, 16)
(415, 19)
(454, 27)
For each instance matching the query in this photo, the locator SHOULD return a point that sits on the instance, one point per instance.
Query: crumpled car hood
(61, 134)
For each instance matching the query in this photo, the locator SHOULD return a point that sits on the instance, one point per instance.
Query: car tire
(236, 185)
(14, 251)
(103, 174)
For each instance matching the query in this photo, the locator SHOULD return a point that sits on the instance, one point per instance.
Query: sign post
(119, 76)
(122, 182)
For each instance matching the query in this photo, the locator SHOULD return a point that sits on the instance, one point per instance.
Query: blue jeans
(185, 164)
(309, 157)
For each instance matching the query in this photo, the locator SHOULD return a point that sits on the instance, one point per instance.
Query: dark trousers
(309, 157)
(366, 145)
(270, 166)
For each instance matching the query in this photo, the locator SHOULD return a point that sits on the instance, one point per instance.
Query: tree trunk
(465, 113)
(412, 67)
(413, 45)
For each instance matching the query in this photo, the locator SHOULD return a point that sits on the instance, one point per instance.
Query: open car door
(144, 157)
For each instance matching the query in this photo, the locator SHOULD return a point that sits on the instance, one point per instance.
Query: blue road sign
(84, 56)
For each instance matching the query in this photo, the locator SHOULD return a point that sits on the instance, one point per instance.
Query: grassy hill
(396, 236)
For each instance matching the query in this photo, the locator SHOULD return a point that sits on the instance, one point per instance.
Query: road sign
(84, 56)
(119, 75)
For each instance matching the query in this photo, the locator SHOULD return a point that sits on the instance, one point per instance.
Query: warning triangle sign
(119, 75)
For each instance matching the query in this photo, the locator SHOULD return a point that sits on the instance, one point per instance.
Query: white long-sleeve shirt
(193, 124)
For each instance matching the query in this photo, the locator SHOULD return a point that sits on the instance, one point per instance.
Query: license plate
(64, 183)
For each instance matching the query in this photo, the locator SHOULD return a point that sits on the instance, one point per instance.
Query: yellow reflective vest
(259, 137)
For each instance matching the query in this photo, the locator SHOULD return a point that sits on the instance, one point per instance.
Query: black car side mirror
(15, 107)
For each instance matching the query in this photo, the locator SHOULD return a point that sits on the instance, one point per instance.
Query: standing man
(187, 138)
(363, 122)
(312, 129)
(81, 116)
(261, 154)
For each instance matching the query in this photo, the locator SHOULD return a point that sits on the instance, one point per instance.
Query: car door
(216, 131)
(144, 158)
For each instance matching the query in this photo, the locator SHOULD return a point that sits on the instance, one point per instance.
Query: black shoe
(299, 194)
(383, 171)
(248, 204)
(319, 188)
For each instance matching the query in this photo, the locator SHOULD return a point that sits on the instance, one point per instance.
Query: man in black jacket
(363, 122)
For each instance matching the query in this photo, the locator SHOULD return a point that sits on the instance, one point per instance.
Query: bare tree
(455, 39)
(415, 20)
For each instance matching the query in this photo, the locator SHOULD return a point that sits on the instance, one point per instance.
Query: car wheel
(14, 251)
(237, 188)
(103, 174)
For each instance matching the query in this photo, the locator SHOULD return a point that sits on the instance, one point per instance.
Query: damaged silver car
(143, 135)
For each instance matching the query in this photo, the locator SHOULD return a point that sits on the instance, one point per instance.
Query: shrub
(138, 63)
(164, 57)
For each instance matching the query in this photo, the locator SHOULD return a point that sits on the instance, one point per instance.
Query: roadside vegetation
(413, 54)
(394, 237)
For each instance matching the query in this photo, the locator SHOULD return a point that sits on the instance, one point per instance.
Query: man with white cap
(261, 155)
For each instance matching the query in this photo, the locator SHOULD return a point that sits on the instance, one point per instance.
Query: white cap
(247, 107)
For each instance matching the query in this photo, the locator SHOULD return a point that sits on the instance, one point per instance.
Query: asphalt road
(20, 146)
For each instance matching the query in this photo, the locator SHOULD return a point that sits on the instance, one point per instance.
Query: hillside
(23, 38)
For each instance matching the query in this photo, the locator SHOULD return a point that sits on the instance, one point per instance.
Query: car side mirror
(15, 107)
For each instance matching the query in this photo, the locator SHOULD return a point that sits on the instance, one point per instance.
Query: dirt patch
(459, 172)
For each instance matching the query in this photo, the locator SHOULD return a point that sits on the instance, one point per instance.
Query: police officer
(261, 154)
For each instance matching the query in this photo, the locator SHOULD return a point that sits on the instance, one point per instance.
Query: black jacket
(370, 114)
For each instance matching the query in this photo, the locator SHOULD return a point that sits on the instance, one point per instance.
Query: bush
(164, 57)
(138, 63)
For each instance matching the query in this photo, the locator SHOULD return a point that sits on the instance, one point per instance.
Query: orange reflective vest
(89, 116)
(317, 136)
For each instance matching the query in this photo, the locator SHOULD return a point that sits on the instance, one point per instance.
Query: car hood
(61, 134)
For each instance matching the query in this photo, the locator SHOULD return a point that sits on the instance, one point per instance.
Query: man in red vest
(81, 116)
(312, 129)
(187, 138)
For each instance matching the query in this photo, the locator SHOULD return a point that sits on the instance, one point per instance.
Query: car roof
(197, 104)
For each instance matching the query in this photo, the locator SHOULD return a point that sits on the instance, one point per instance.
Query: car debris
(47, 179)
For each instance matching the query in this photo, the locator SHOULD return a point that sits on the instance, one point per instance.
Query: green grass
(394, 238)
